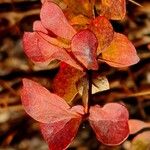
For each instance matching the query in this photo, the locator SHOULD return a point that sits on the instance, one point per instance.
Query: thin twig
(136, 3)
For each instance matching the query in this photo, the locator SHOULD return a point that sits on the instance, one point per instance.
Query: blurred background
(130, 85)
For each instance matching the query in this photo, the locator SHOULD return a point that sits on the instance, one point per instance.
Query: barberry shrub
(80, 43)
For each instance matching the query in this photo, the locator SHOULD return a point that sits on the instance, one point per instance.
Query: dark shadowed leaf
(141, 141)
(110, 123)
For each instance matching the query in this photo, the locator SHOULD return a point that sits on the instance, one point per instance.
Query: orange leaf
(78, 7)
(113, 9)
(121, 52)
(103, 30)
(137, 125)
(65, 82)
(80, 20)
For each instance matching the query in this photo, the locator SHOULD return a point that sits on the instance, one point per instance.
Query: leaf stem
(89, 78)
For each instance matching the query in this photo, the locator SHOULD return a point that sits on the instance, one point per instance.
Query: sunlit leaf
(121, 52)
(110, 123)
(141, 141)
(113, 9)
(54, 20)
(99, 84)
(44, 106)
(64, 83)
(84, 47)
(137, 125)
(103, 30)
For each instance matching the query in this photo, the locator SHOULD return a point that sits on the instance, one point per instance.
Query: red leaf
(44, 106)
(53, 52)
(113, 9)
(103, 30)
(84, 47)
(60, 122)
(54, 20)
(60, 134)
(121, 52)
(110, 123)
(38, 48)
(30, 47)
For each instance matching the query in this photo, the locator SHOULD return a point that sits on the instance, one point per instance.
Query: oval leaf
(84, 47)
(44, 106)
(103, 30)
(137, 125)
(59, 134)
(110, 123)
(121, 52)
(113, 9)
(54, 20)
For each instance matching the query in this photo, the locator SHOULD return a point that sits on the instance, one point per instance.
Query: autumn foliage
(81, 44)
